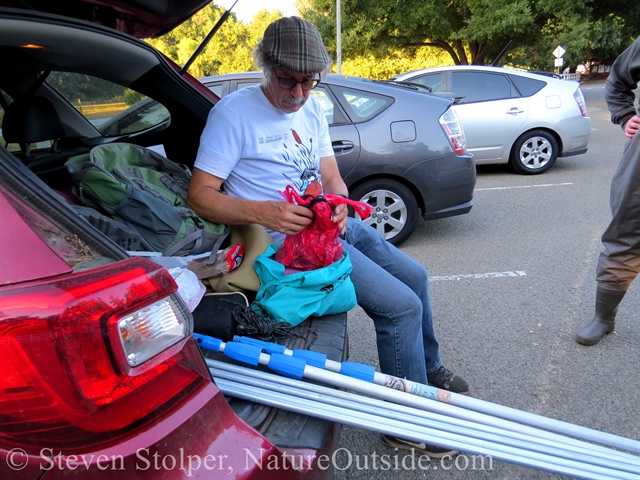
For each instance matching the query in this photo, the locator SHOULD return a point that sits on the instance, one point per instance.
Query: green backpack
(141, 188)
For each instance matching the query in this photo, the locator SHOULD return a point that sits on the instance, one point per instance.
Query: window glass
(480, 86)
(140, 116)
(361, 105)
(527, 86)
(6, 101)
(325, 100)
(111, 108)
(433, 81)
(216, 88)
(247, 83)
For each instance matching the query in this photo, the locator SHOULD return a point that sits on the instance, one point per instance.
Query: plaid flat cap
(295, 44)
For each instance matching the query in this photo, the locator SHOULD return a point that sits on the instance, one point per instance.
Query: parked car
(524, 119)
(391, 155)
(101, 375)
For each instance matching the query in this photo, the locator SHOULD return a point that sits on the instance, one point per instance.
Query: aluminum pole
(562, 446)
(419, 434)
(252, 354)
(480, 406)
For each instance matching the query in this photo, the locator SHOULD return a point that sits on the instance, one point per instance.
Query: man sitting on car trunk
(262, 138)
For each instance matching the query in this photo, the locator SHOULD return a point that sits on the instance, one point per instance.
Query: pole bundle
(425, 415)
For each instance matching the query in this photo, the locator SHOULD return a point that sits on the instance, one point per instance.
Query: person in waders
(619, 262)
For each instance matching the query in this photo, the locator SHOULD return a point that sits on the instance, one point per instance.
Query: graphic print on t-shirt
(306, 162)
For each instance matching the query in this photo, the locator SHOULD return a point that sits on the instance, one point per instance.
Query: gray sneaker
(424, 448)
(447, 380)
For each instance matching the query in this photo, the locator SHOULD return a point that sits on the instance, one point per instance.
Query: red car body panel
(196, 436)
(140, 18)
(203, 439)
(25, 256)
(200, 438)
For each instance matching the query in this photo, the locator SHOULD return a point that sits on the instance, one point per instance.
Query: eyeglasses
(288, 82)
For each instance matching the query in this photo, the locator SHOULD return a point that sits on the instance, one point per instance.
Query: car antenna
(206, 40)
(499, 56)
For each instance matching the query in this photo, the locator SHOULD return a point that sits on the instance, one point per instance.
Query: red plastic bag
(317, 245)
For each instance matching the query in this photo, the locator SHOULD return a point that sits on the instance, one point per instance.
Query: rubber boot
(605, 319)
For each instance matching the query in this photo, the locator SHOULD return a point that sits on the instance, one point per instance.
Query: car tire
(395, 209)
(534, 152)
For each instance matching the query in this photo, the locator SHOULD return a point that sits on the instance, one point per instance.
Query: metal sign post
(339, 36)
(559, 61)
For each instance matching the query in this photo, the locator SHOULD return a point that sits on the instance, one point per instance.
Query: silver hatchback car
(509, 116)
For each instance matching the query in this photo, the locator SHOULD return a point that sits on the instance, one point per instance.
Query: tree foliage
(84, 88)
(382, 38)
(521, 32)
(229, 50)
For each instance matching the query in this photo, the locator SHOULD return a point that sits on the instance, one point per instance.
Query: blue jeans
(393, 289)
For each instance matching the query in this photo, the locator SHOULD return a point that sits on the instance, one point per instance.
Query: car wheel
(534, 152)
(395, 209)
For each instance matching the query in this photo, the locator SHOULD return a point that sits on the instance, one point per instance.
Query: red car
(101, 376)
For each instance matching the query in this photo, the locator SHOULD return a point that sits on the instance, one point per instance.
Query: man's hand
(284, 217)
(340, 215)
(333, 184)
(631, 127)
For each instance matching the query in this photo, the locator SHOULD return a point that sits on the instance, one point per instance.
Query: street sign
(558, 62)
(559, 51)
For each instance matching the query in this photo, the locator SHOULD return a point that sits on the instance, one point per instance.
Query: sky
(246, 9)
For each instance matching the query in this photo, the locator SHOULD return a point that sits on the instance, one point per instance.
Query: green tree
(85, 88)
(131, 96)
(394, 63)
(230, 50)
(523, 32)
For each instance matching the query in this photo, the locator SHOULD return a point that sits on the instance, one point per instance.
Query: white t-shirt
(257, 149)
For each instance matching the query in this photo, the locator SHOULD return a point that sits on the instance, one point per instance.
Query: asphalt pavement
(512, 281)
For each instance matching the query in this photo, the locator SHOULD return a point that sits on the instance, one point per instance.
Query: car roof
(479, 68)
(140, 18)
(380, 86)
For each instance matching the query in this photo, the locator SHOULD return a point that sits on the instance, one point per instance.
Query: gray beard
(293, 101)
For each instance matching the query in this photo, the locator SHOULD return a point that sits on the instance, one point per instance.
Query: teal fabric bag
(295, 297)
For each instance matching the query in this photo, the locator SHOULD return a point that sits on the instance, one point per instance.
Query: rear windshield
(111, 108)
(362, 106)
(527, 86)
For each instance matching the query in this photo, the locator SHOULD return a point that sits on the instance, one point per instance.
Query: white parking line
(517, 273)
(525, 186)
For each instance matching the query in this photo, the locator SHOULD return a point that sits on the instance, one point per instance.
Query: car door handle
(342, 146)
(515, 110)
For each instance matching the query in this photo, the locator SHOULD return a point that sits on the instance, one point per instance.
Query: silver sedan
(509, 116)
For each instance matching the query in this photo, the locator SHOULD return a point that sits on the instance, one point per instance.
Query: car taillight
(91, 358)
(452, 127)
(577, 95)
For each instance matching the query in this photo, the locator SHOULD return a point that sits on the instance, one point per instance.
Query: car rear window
(527, 86)
(111, 108)
(362, 106)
